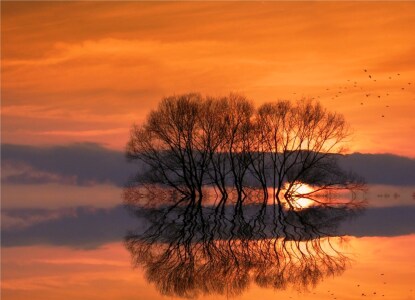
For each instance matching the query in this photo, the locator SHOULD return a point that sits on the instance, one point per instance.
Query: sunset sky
(85, 71)
(75, 76)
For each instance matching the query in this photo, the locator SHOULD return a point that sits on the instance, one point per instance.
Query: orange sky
(85, 71)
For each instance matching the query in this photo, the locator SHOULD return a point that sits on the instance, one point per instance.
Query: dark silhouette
(188, 250)
(191, 142)
(233, 194)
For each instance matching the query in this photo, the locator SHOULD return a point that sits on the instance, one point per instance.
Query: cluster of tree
(249, 156)
(191, 141)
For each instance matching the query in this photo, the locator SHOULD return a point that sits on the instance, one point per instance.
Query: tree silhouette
(190, 142)
(220, 186)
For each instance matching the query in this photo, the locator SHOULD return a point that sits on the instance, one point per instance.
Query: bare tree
(302, 142)
(169, 144)
(190, 142)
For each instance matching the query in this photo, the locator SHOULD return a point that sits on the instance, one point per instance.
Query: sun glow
(299, 193)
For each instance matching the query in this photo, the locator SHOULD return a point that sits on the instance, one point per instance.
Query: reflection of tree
(187, 250)
(221, 186)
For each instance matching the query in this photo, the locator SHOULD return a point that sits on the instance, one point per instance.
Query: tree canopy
(190, 142)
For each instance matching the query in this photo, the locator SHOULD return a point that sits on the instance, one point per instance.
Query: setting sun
(299, 192)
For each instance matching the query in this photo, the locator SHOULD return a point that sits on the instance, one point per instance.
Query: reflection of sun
(298, 190)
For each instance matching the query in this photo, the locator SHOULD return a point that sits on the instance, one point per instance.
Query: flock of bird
(369, 89)
(370, 295)
(386, 94)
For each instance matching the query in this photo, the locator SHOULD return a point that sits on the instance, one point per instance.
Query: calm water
(79, 253)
